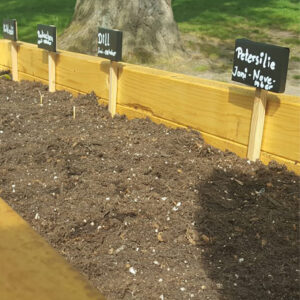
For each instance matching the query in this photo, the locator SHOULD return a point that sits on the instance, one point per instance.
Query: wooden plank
(222, 144)
(23, 76)
(217, 142)
(257, 124)
(14, 61)
(224, 113)
(51, 67)
(31, 268)
(83, 73)
(217, 109)
(5, 53)
(282, 127)
(113, 87)
(33, 61)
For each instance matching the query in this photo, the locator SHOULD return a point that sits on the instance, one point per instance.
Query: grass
(224, 19)
(29, 13)
(231, 19)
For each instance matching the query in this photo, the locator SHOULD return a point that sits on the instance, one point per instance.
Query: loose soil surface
(143, 211)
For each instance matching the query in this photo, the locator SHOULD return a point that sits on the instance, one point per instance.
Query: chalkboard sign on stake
(110, 46)
(260, 65)
(46, 39)
(10, 32)
(265, 67)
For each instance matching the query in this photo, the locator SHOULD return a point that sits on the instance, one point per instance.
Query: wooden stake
(113, 87)
(74, 112)
(14, 61)
(257, 124)
(51, 64)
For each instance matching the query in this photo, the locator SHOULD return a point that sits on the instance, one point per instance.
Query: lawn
(225, 19)
(29, 13)
(229, 19)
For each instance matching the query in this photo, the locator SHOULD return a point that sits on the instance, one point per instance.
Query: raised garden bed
(143, 211)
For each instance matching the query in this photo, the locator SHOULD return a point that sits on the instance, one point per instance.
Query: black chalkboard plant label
(260, 65)
(110, 44)
(46, 37)
(10, 30)
(265, 67)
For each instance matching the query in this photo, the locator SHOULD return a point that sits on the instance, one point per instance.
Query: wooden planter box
(220, 111)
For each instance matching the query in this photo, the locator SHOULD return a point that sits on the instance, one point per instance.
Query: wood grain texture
(83, 73)
(52, 71)
(33, 270)
(113, 87)
(14, 61)
(257, 124)
(33, 61)
(223, 112)
(220, 111)
(282, 127)
(5, 57)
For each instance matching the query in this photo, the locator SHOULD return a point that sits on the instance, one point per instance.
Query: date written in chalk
(260, 65)
(261, 81)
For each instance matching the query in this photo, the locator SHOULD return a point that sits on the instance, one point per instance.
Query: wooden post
(14, 61)
(51, 64)
(257, 124)
(113, 87)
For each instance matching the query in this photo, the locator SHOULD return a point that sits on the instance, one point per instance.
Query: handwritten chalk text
(263, 59)
(8, 29)
(44, 38)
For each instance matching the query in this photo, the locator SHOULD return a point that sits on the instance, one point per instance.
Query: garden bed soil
(144, 211)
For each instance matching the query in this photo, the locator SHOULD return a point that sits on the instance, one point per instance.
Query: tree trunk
(148, 26)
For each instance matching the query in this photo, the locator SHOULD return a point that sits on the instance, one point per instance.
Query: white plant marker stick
(113, 87)
(74, 112)
(51, 64)
(41, 98)
(257, 124)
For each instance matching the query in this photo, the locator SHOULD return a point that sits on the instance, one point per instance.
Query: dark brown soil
(143, 211)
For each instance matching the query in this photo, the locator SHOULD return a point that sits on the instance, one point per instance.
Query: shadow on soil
(250, 224)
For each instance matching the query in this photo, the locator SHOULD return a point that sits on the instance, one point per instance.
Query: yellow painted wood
(5, 56)
(282, 127)
(23, 76)
(33, 61)
(221, 111)
(14, 61)
(51, 67)
(31, 269)
(113, 87)
(217, 142)
(83, 73)
(257, 124)
(59, 87)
